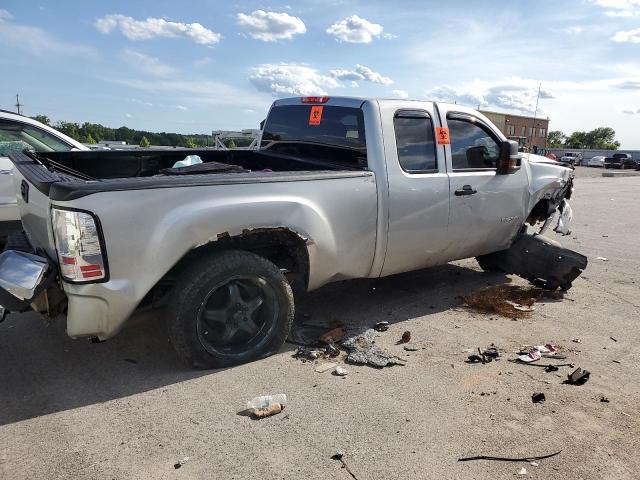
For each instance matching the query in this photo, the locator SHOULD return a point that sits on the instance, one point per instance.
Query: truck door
(418, 188)
(486, 209)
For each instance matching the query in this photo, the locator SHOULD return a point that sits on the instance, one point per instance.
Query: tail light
(314, 99)
(80, 247)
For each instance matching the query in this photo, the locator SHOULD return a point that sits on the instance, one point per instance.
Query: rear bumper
(24, 277)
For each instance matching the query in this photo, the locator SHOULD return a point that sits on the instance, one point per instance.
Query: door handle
(465, 190)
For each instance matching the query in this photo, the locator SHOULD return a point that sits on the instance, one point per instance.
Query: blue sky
(193, 67)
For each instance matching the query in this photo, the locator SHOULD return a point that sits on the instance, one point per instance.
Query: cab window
(415, 142)
(472, 146)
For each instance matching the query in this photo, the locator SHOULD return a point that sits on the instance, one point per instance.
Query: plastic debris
(381, 326)
(188, 161)
(179, 464)
(325, 367)
(564, 220)
(523, 471)
(538, 398)
(266, 405)
(578, 377)
(604, 259)
(534, 464)
(341, 371)
(363, 351)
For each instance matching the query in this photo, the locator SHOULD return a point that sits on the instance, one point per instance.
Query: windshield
(18, 136)
(320, 124)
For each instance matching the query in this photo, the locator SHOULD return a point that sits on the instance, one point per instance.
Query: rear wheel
(230, 308)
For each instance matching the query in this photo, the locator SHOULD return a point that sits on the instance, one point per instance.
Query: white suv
(18, 133)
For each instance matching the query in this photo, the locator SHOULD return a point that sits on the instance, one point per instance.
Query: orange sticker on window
(443, 135)
(315, 117)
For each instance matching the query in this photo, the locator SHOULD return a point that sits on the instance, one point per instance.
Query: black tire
(194, 326)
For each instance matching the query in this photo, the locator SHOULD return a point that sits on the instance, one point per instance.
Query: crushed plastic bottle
(265, 401)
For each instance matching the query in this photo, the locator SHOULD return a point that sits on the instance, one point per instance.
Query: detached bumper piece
(23, 277)
(542, 261)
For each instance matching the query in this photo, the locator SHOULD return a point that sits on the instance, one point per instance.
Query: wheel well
(281, 246)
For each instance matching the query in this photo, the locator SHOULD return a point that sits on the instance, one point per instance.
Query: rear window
(324, 124)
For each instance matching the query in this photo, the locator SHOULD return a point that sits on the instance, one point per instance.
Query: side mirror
(509, 160)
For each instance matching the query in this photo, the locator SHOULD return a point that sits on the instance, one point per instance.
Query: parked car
(571, 158)
(619, 160)
(597, 161)
(340, 188)
(18, 133)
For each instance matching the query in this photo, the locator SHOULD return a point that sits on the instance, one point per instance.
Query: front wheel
(231, 307)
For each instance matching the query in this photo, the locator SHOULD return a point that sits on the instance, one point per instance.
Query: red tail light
(314, 99)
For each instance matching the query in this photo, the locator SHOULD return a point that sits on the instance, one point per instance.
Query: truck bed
(69, 175)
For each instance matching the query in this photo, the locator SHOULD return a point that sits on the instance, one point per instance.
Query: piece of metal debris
(578, 377)
(381, 326)
(538, 398)
(363, 351)
(509, 459)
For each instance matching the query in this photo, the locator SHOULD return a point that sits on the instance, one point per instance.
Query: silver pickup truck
(340, 188)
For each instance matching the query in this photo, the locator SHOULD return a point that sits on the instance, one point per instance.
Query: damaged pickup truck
(340, 188)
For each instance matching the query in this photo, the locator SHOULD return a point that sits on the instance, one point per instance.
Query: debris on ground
(615, 340)
(523, 471)
(604, 399)
(332, 336)
(534, 353)
(604, 259)
(410, 348)
(485, 356)
(381, 326)
(503, 300)
(311, 335)
(341, 371)
(542, 261)
(340, 457)
(406, 337)
(509, 459)
(179, 464)
(576, 340)
(310, 353)
(266, 405)
(551, 368)
(363, 351)
(578, 377)
(325, 367)
(538, 398)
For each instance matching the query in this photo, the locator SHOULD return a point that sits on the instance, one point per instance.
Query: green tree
(144, 142)
(556, 138)
(576, 140)
(231, 144)
(602, 138)
(90, 139)
(42, 119)
(189, 143)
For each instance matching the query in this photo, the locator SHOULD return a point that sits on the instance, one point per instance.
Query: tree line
(602, 138)
(91, 133)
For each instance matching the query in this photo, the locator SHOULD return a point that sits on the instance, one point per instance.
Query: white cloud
(271, 26)
(128, 115)
(515, 94)
(573, 30)
(359, 73)
(354, 29)
(629, 36)
(182, 107)
(402, 94)
(35, 40)
(291, 79)
(629, 111)
(619, 8)
(147, 64)
(156, 27)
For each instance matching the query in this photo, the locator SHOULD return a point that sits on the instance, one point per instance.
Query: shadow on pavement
(43, 371)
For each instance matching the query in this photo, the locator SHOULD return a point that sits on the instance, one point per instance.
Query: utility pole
(535, 114)
(18, 104)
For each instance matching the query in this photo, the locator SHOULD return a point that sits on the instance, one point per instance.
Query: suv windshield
(21, 136)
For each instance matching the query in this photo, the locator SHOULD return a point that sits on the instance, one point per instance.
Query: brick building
(530, 133)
